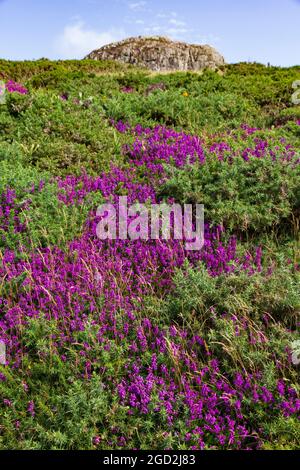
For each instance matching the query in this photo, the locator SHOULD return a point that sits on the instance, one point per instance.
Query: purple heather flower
(31, 408)
(14, 87)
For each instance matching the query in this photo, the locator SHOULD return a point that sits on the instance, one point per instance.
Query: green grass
(43, 138)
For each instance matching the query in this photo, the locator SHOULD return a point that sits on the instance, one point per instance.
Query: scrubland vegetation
(143, 345)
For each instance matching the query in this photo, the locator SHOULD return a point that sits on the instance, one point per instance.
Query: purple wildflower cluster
(155, 147)
(104, 284)
(10, 212)
(127, 89)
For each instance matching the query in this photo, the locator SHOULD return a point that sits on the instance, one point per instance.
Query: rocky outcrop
(160, 54)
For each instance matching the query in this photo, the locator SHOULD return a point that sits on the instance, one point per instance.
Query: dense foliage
(144, 345)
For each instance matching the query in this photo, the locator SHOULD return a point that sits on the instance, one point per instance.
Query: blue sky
(260, 30)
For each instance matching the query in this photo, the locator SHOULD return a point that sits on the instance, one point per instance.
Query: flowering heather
(65, 287)
(92, 284)
(14, 87)
(127, 89)
(10, 212)
(122, 344)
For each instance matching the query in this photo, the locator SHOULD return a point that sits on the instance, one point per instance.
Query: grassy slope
(43, 137)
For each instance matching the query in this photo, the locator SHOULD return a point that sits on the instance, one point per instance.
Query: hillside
(143, 344)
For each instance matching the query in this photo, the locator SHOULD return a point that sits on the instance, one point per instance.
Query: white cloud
(137, 6)
(153, 29)
(175, 31)
(76, 41)
(211, 39)
(168, 24)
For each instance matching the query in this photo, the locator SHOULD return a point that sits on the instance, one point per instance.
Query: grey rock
(160, 54)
